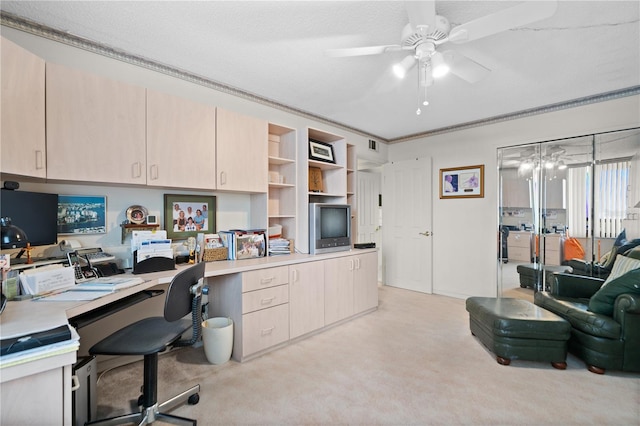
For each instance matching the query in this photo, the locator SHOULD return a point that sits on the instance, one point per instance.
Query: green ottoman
(517, 329)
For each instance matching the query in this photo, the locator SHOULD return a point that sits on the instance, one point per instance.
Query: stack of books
(279, 246)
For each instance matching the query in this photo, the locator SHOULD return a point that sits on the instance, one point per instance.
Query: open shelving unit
(281, 208)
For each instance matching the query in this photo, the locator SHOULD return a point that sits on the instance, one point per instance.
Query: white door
(369, 212)
(406, 229)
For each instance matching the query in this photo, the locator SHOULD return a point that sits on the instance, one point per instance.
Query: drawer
(519, 240)
(265, 328)
(519, 253)
(264, 278)
(265, 298)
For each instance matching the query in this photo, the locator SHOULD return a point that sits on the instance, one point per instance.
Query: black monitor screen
(34, 212)
(334, 222)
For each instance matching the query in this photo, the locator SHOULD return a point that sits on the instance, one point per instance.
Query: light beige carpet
(413, 361)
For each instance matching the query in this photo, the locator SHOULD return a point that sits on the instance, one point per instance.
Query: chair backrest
(179, 296)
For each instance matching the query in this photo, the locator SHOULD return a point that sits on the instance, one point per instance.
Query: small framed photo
(462, 182)
(82, 214)
(315, 180)
(188, 215)
(321, 151)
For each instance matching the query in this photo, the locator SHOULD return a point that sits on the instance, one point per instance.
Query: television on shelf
(329, 227)
(36, 213)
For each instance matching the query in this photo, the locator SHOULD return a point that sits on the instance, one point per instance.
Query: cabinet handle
(358, 263)
(294, 275)
(75, 383)
(153, 172)
(267, 301)
(266, 280)
(223, 178)
(266, 331)
(351, 264)
(39, 163)
(136, 169)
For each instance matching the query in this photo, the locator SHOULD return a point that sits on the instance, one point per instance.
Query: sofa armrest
(575, 286)
(626, 303)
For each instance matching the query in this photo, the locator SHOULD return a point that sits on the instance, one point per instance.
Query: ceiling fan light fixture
(438, 66)
(402, 68)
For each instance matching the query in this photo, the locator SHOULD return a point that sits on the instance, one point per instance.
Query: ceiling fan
(427, 31)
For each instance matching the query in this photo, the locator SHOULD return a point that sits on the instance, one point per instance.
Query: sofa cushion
(620, 267)
(602, 302)
(634, 253)
(621, 239)
(607, 260)
(575, 311)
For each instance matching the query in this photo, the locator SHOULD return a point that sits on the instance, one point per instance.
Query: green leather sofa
(602, 340)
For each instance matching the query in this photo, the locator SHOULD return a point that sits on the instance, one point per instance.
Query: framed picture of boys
(187, 215)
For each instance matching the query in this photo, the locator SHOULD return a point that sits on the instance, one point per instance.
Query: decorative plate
(137, 214)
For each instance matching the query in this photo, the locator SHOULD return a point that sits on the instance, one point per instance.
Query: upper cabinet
(95, 128)
(181, 148)
(241, 152)
(23, 118)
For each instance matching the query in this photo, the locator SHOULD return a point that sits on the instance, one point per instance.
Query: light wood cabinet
(23, 115)
(241, 157)
(281, 210)
(181, 150)
(95, 128)
(553, 249)
(519, 246)
(365, 283)
(306, 298)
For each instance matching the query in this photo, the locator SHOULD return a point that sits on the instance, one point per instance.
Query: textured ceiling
(276, 50)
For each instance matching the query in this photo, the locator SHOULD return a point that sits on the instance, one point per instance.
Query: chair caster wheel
(194, 399)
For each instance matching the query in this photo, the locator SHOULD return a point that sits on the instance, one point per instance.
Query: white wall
(465, 230)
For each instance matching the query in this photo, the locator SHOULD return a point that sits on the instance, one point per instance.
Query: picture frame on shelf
(178, 208)
(462, 182)
(321, 151)
(82, 214)
(315, 180)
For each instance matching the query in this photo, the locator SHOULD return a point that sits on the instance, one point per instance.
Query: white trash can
(217, 336)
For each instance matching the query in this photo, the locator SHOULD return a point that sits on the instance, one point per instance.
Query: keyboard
(99, 257)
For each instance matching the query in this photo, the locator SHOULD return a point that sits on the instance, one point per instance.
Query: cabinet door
(95, 128)
(306, 298)
(241, 150)
(22, 105)
(338, 288)
(181, 147)
(365, 282)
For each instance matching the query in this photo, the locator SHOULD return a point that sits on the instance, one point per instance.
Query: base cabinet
(365, 282)
(306, 298)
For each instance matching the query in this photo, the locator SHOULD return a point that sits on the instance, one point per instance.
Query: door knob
(426, 233)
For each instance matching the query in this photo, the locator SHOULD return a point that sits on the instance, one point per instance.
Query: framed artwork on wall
(462, 182)
(187, 215)
(82, 214)
(321, 151)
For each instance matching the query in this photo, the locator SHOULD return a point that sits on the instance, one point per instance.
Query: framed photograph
(82, 214)
(462, 182)
(321, 151)
(188, 215)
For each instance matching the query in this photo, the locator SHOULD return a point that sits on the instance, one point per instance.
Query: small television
(35, 213)
(329, 227)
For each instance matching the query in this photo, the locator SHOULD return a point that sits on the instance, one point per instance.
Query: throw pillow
(622, 266)
(634, 253)
(621, 239)
(609, 258)
(602, 302)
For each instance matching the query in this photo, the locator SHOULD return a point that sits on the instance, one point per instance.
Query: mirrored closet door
(562, 205)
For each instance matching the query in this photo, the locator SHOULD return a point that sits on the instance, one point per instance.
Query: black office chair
(149, 337)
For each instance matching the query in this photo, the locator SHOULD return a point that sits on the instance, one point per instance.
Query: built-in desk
(48, 380)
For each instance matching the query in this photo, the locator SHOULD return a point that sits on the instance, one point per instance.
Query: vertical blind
(610, 199)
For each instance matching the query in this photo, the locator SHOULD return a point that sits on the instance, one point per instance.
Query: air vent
(373, 145)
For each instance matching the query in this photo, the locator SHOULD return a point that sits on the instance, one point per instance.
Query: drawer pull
(267, 301)
(266, 280)
(266, 331)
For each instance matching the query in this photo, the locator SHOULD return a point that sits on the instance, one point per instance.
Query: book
(35, 340)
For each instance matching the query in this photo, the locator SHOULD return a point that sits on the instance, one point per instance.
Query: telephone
(82, 273)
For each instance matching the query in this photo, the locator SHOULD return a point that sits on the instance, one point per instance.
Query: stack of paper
(47, 279)
(279, 246)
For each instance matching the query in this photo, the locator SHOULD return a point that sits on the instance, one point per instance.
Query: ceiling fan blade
(361, 51)
(503, 20)
(465, 68)
(421, 14)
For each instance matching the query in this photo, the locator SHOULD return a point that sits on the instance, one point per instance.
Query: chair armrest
(579, 265)
(575, 286)
(626, 303)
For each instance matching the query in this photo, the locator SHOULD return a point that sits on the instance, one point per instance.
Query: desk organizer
(219, 253)
(152, 264)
